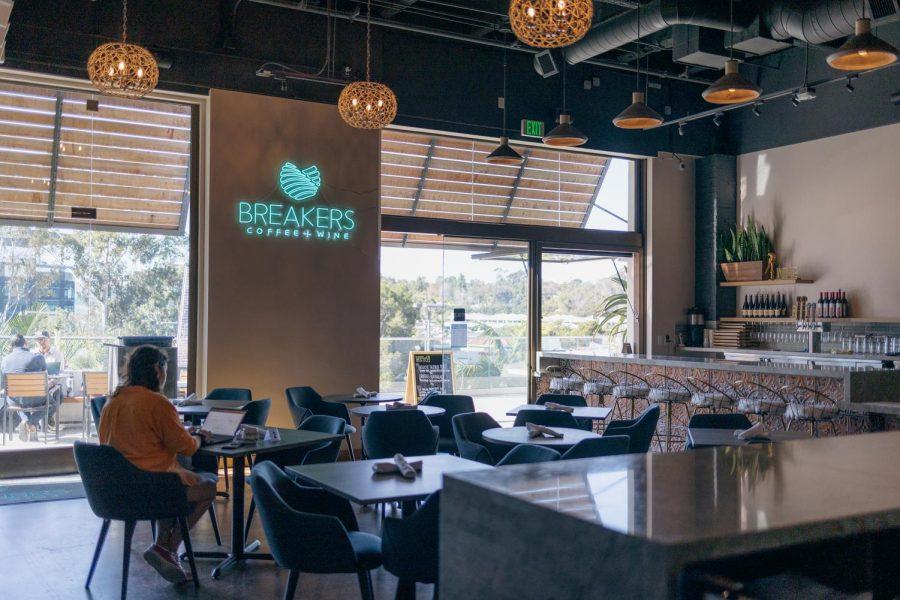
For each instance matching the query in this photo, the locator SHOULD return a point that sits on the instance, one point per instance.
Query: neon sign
(279, 220)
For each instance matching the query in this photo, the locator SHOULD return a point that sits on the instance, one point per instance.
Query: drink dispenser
(696, 325)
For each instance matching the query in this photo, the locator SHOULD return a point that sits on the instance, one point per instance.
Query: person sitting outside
(21, 360)
(144, 426)
(45, 349)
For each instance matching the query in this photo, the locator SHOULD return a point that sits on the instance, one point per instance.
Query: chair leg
(249, 518)
(153, 528)
(186, 537)
(350, 447)
(365, 585)
(291, 587)
(215, 523)
(103, 530)
(126, 556)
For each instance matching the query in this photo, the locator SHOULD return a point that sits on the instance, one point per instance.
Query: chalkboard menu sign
(428, 372)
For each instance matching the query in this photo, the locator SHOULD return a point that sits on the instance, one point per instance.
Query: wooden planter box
(743, 271)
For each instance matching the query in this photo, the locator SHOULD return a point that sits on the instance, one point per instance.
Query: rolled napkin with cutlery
(758, 430)
(562, 407)
(362, 392)
(535, 430)
(407, 470)
(189, 400)
(399, 406)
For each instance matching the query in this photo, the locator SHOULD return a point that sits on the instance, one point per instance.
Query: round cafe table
(513, 436)
(366, 411)
(378, 398)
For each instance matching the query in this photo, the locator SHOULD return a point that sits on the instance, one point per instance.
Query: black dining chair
(610, 445)
(256, 413)
(242, 395)
(407, 432)
(573, 400)
(97, 404)
(453, 404)
(116, 490)
(310, 530)
(305, 397)
(467, 430)
(717, 421)
(326, 452)
(639, 430)
(528, 453)
(409, 546)
(547, 418)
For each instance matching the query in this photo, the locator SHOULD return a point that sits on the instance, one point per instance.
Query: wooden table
(707, 438)
(513, 436)
(378, 398)
(240, 550)
(594, 413)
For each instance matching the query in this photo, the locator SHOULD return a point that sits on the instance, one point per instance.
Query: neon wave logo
(299, 184)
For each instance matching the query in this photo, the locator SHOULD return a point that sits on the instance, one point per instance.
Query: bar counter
(851, 387)
(626, 526)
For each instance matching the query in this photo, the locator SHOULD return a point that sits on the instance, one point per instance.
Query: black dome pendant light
(638, 115)
(564, 135)
(732, 87)
(862, 50)
(504, 153)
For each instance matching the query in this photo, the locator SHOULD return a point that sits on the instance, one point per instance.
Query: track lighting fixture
(681, 128)
(795, 99)
(849, 85)
(718, 119)
(757, 109)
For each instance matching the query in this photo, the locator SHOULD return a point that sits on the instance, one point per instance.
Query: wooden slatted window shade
(445, 177)
(124, 166)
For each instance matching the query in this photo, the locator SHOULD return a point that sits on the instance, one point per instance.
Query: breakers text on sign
(274, 219)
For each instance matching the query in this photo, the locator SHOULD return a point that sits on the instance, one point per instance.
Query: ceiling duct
(657, 16)
(822, 21)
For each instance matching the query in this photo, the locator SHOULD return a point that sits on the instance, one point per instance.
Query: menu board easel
(428, 372)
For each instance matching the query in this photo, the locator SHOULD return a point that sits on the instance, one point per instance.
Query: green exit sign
(532, 128)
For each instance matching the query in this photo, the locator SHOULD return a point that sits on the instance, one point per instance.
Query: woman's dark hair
(141, 368)
(17, 341)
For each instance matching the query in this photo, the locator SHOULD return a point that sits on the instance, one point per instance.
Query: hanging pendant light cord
(731, 30)
(504, 88)
(638, 51)
(368, 39)
(124, 20)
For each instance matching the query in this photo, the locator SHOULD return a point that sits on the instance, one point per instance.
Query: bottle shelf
(765, 282)
(791, 320)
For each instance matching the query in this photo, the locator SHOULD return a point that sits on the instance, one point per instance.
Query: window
(94, 213)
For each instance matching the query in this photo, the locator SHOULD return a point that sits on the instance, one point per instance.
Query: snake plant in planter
(745, 248)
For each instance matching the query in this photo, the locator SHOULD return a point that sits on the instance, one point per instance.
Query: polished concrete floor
(46, 548)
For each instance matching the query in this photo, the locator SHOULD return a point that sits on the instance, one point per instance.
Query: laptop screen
(223, 422)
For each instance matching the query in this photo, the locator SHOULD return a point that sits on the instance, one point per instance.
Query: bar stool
(761, 401)
(600, 385)
(671, 395)
(711, 399)
(813, 407)
(637, 390)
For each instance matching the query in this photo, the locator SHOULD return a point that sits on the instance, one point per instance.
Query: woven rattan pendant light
(123, 69)
(550, 23)
(367, 104)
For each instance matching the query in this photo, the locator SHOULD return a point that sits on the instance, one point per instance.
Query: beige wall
(670, 249)
(834, 205)
(290, 312)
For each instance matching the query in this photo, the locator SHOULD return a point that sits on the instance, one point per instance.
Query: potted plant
(745, 248)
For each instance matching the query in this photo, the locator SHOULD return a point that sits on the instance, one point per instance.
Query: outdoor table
(376, 399)
(513, 436)
(706, 438)
(240, 550)
(595, 413)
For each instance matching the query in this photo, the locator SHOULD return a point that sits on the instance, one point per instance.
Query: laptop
(222, 424)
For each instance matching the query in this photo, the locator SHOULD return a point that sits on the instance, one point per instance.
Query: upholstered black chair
(467, 430)
(453, 404)
(407, 432)
(528, 453)
(241, 395)
(639, 430)
(117, 490)
(326, 452)
(717, 421)
(410, 546)
(547, 418)
(304, 397)
(573, 400)
(310, 530)
(603, 446)
(97, 404)
(256, 413)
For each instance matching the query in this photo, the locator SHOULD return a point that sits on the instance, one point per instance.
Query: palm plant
(613, 312)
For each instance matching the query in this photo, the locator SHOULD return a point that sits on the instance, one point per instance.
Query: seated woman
(142, 424)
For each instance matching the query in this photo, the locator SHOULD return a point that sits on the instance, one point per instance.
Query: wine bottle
(745, 309)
